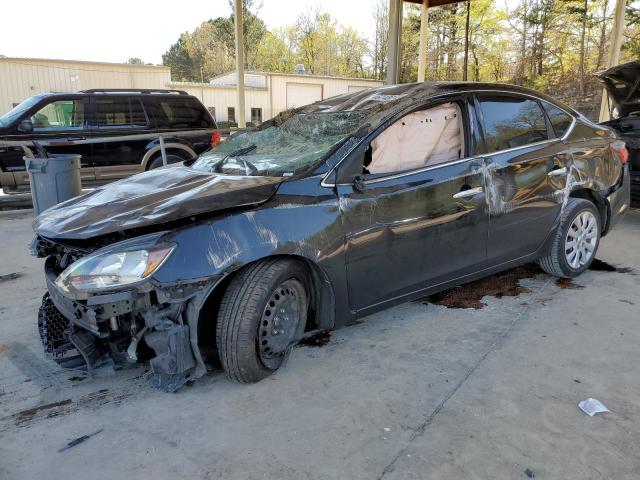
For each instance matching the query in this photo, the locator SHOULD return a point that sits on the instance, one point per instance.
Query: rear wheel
(576, 240)
(262, 316)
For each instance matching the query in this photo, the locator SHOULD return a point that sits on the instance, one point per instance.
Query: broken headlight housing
(108, 270)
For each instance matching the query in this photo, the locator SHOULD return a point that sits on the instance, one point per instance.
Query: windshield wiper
(248, 166)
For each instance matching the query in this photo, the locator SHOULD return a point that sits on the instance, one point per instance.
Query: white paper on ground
(591, 406)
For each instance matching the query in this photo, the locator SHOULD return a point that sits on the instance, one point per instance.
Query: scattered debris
(624, 300)
(591, 406)
(601, 266)
(78, 378)
(568, 283)
(79, 440)
(9, 276)
(503, 284)
(529, 473)
(318, 339)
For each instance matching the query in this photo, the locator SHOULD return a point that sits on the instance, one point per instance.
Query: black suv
(116, 131)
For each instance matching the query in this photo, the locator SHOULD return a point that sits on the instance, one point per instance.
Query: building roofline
(84, 62)
(211, 85)
(304, 75)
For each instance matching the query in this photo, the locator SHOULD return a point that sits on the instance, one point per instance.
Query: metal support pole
(393, 48)
(614, 53)
(424, 38)
(240, 62)
(163, 151)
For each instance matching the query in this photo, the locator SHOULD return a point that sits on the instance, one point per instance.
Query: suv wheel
(172, 157)
(262, 316)
(576, 240)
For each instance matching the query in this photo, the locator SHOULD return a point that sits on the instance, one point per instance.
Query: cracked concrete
(418, 391)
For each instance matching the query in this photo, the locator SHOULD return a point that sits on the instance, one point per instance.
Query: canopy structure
(395, 35)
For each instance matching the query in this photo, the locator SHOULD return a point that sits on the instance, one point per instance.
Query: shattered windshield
(278, 150)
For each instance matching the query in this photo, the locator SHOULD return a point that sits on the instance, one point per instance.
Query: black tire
(156, 161)
(241, 328)
(556, 262)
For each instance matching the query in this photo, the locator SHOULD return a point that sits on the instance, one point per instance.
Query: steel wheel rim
(281, 322)
(581, 240)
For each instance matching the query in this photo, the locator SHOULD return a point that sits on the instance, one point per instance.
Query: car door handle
(468, 193)
(557, 171)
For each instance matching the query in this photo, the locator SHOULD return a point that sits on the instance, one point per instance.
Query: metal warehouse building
(20, 78)
(267, 94)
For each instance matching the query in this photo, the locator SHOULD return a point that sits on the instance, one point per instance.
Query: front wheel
(262, 315)
(576, 240)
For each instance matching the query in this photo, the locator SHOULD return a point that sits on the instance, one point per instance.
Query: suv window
(560, 120)
(118, 112)
(59, 115)
(510, 121)
(185, 112)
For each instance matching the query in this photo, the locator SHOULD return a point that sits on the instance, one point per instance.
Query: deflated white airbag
(423, 138)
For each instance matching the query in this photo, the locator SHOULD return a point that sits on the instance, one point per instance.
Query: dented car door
(525, 168)
(411, 230)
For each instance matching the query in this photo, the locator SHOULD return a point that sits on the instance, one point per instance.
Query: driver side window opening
(419, 139)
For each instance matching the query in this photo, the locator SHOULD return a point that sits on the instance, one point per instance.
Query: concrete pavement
(417, 391)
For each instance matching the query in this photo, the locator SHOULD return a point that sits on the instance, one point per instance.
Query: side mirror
(25, 126)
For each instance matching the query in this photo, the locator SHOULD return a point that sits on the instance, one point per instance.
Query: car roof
(407, 94)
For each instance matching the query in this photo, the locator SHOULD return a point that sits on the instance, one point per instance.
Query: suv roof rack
(134, 90)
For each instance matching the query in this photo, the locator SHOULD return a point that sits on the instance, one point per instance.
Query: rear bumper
(619, 200)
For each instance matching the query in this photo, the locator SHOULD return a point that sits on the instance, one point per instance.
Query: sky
(116, 30)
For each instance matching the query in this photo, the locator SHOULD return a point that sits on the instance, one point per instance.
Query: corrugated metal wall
(21, 78)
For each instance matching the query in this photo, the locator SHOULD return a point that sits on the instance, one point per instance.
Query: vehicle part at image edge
(568, 255)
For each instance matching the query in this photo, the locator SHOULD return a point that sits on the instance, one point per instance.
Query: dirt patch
(503, 284)
(319, 339)
(50, 410)
(598, 265)
(95, 399)
(568, 283)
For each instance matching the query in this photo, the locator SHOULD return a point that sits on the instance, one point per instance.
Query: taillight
(620, 148)
(215, 138)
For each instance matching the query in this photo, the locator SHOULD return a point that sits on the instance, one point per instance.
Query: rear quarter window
(560, 120)
(510, 122)
(183, 112)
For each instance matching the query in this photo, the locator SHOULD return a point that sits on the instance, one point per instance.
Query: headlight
(112, 269)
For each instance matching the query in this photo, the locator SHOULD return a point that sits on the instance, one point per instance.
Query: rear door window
(511, 121)
(185, 112)
(560, 120)
(59, 115)
(120, 112)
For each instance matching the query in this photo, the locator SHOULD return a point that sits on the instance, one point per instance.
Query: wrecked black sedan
(323, 215)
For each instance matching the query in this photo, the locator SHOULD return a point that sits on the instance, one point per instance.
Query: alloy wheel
(581, 240)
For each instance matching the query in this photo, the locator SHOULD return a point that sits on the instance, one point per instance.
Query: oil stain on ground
(503, 284)
(600, 266)
(567, 283)
(318, 339)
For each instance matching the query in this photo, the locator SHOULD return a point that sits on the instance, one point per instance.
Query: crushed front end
(118, 325)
